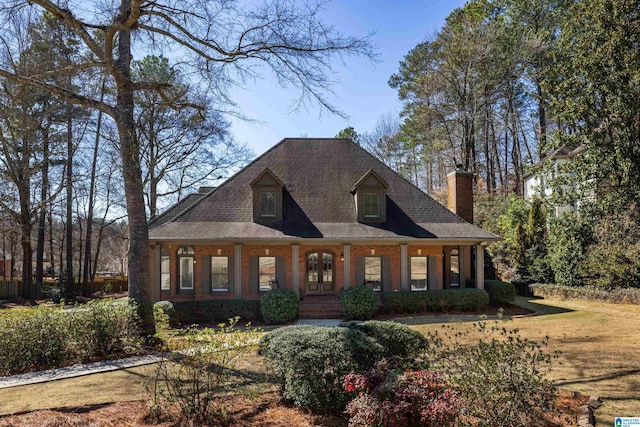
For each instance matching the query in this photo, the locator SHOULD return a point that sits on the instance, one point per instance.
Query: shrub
(103, 327)
(415, 398)
(279, 305)
(359, 303)
(311, 361)
(399, 341)
(31, 339)
(500, 377)
(568, 239)
(500, 292)
(441, 300)
(196, 381)
(190, 312)
(46, 337)
(163, 312)
(591, 293)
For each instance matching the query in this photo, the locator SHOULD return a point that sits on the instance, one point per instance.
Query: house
(552, 173)
(317, 216)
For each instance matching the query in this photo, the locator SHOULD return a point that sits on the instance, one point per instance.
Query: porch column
(346, 265)
(404, 268)
(479, 266)
(238, 270)
(295, 268)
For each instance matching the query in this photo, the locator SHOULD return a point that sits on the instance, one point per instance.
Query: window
(418, 273)
(373, 272)
(266, 273)
(454, 270)
(268, 204)
(371, 205)
(185, 261)
(165, 271)
(219, 273)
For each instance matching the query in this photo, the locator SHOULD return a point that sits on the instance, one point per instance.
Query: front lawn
(598, 342)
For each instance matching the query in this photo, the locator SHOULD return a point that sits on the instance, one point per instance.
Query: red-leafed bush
(414, 398)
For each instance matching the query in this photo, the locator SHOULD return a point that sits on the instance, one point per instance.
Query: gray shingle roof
(318, 174)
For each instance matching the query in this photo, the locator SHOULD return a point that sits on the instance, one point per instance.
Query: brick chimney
(460, 193)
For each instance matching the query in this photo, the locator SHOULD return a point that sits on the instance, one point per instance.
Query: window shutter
(359, 270)
(232, 274)
(253, 274)
(157, 269)
(407, 286)
(432, 272)
(205, 262)
(280, 270)
(386, 274)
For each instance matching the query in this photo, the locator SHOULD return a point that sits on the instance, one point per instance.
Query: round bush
(397, 339)
(359, 303)
(312, 361)
(279, 306)
(164, 307)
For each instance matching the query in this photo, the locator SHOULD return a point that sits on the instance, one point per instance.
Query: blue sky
(362, 91)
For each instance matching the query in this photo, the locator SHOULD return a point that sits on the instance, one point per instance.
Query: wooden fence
(105, 284)
(10, 289)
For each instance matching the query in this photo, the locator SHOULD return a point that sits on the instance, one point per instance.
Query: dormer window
(267, 197)
(370, 194)
(372, 205)
(268, 204)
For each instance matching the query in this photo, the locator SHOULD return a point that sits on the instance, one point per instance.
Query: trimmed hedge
(48, 337)
(500, 292)
(359, 303)
(311, 361)
(279, 306)
(188, 312)
(615, 296)
(432, 301)
(397, 339)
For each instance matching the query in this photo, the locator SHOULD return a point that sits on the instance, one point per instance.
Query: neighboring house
(540, 180)
(316, 216)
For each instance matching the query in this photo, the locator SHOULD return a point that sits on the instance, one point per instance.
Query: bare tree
(221, 40)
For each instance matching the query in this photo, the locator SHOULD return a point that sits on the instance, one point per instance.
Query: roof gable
(367, 177)
(266, 177)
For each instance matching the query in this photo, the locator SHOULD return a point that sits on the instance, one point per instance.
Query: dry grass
(127, 384)
(599, 344)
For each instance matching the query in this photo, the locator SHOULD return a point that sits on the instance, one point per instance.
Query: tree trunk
(542, 120)
(92, 183)
(52, 257)
(28, 290)
(139, 263)
(42, 218)
(69, 214)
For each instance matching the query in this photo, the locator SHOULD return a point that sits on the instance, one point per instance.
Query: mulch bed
(261, 411)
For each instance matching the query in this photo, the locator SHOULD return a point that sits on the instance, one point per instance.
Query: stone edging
(585, 416)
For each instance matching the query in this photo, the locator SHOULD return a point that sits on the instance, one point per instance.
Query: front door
(320, 273)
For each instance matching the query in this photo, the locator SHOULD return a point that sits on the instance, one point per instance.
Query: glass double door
(320, 277)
